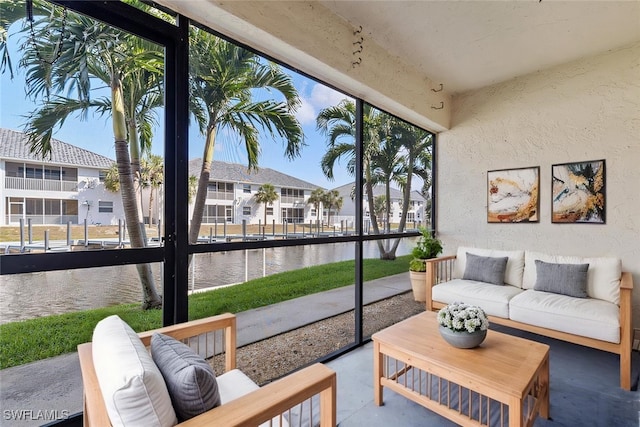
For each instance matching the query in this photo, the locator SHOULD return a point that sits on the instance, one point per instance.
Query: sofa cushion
(131, 384)
(566, 279)
(190, 379)
(234, 384)
(603, 276)
(587, 317)
(513, 272)
(493, 299)
(485, 269)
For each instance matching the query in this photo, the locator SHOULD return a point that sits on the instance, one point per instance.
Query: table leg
(515, 412)
(543, 384)
(377, 374)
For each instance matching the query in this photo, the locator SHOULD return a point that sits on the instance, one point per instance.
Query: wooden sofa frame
(440, 270)
(252, 409)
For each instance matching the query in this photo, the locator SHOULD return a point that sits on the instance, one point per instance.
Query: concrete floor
(584, 391)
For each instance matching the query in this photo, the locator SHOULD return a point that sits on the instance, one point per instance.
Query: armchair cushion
(132, 385)
(190, 379)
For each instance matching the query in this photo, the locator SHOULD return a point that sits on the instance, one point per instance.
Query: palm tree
(339, 124)
(316, 198)
(380, 205)
(393, 150)
(332, 199)
(88, 50)
(222, 78)
(152, 177)
(386, 162)
(266, 194)
(193, 186)
(111, 179)
(417, 144)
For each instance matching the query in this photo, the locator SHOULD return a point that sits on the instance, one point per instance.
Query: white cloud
(320, 97)
(323, 96)
(306, 113)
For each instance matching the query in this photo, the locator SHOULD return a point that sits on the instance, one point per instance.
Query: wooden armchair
(267, 403)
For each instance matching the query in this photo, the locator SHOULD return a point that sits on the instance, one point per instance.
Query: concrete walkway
(40, 392)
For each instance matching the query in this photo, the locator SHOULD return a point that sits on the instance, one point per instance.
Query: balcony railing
(292, 200)
(42, 219)
(220, 195)
(34, 184)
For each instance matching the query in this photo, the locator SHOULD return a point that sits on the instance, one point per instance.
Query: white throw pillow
(513, 272)
(603, 276)
(133, 388)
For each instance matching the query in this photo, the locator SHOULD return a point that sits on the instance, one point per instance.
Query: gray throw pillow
(485, 269)
(190, 379)
(565, 279)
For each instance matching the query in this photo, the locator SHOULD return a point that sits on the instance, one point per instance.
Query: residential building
(66, 186)
(69, 187)
(232, 189)
(415, 214)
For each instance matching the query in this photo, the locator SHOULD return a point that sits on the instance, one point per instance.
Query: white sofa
(552, 295)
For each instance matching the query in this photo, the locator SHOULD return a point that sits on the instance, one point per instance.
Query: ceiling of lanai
(463, 45)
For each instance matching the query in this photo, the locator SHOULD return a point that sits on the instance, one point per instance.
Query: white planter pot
(419, 285)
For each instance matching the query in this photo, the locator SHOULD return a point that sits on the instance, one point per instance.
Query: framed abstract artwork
(513, 195)
(578, 192)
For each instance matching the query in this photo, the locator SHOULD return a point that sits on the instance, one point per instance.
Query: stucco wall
(584, 110)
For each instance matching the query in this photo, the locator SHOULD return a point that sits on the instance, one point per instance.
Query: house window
(105, 207)
(246, 188)
(246, 210)
(102, 175)
(270, 211)
(292, 215)
(313, 212)
(33, 172)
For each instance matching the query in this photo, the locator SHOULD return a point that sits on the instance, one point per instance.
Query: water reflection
(25, 296)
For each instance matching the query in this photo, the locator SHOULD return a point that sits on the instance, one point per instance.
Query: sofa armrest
(193, 328)
(438, 270)
(274, 399)
(626, 329)
(94, 409)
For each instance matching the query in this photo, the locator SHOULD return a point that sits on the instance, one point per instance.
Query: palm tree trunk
(203, 183)
(150, 297)
(134, 155)
(372, 213)
(150, 204)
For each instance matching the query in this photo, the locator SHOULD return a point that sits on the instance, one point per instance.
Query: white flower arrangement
(461, 317)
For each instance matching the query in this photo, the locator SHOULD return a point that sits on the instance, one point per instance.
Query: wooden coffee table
(505, 381)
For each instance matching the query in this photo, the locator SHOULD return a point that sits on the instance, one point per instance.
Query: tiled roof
(14, 146)
(234, 172)
(379, 190)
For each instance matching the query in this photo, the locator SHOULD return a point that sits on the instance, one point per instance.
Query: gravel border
(277, 356)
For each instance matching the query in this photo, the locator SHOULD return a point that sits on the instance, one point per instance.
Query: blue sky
(95, 134)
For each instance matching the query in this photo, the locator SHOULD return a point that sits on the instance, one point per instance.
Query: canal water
(25, 296)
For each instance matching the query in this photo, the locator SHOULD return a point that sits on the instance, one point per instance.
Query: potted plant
(463, 325)
(427, 247)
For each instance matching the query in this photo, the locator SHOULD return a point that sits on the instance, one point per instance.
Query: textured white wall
(584, 110)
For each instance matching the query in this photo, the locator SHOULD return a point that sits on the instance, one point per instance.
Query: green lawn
(35, 339)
